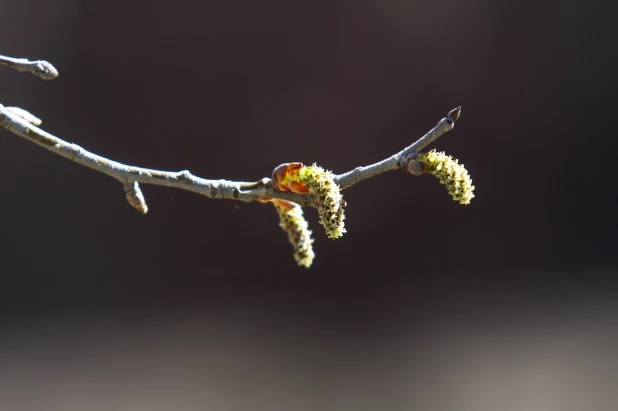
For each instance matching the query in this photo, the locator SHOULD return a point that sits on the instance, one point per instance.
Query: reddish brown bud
(283, 178)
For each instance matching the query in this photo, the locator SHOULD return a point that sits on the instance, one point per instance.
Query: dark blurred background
(509, 303)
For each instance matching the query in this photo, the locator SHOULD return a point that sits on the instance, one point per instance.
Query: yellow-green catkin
(320, 183)
(292, 221)
(450, 173)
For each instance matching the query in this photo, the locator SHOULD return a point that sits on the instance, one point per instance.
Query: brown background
(232, 89)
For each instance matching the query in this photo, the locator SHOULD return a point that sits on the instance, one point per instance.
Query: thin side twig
(393, 162)
(40, 68)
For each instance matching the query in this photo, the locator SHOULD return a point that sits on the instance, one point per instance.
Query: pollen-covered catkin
(450, 173)
(320, 183)
(292, 221)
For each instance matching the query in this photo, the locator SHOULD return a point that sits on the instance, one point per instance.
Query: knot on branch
(184, 177)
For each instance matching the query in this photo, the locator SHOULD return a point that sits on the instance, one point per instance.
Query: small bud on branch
(135, 197)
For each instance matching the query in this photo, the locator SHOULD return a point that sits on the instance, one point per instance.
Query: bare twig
(40, 68)
(223, 189)
(24, 124)
(393, 162)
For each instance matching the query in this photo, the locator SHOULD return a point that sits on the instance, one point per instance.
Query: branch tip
(29, 117)
(45, 70)
(454, 114)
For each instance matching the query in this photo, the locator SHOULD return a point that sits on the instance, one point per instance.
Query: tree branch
(290, 185)
(24, 124)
